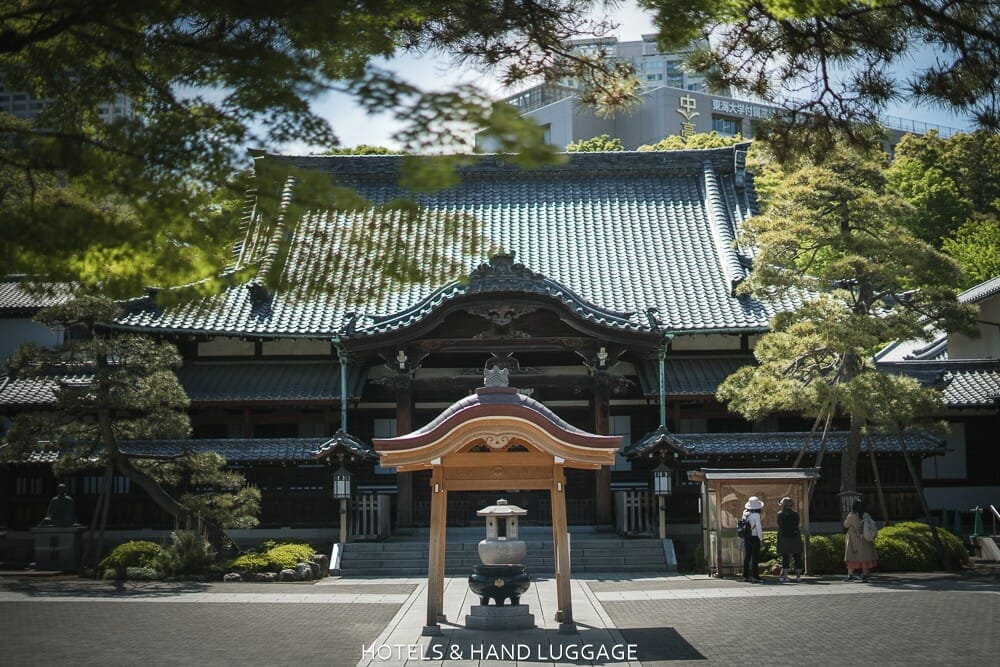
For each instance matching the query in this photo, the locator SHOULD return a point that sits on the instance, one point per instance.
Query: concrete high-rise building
(652, 67)
(674, 102)
(25, 106)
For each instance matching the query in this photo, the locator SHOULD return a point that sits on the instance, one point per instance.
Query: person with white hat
(751, 542)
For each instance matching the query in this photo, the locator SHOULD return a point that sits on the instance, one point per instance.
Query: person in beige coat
(859, 553)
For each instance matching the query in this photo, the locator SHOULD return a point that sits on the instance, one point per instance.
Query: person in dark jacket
(789, 539)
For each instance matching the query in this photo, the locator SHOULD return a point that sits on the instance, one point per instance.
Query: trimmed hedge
(910, 546)
(137, 553)
(289, 555)
(251, 562)
(903, 547)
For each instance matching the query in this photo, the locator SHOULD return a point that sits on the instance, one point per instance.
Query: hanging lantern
(342, 483)
(663, 478)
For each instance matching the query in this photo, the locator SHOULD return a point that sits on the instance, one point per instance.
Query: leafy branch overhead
(151, 198)
(834, 64)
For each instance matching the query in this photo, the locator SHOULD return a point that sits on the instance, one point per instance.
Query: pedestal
(58, 547)
(490, 617)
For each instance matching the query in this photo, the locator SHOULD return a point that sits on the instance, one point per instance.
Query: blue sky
(354, 126)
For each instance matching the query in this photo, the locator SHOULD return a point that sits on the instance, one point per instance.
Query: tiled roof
(981, 291)
(609, 235)
(972, 387)
(965, 383)
(348, 444)
(935, 346)
(27, 392)
(660, 440)
(16, 299)
(268, 381)
(221, 381)
(689, 376)
(725, 444)
(246, 450)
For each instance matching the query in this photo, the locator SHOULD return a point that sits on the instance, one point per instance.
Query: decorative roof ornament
(496, 377)
(502, 271)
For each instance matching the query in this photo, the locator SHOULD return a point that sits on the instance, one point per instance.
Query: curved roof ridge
(502, 274)
(722, 230)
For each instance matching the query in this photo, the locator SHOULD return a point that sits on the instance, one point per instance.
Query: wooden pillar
(560, 547)
(805, 527)
(404, 480)
(436, 555)
(602, 426)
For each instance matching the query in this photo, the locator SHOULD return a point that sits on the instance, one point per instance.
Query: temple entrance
(463, 505)
(489, 443)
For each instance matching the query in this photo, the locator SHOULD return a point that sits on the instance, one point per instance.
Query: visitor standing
(751, 542)
(859, 553)
(789, 539)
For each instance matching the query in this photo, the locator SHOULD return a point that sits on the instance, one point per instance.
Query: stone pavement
(904, 619)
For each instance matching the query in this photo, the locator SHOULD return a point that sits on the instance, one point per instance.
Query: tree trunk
(215, 535)
(849, 457)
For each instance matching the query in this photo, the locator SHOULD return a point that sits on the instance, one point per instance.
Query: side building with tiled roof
(590, 275)
(967, 369)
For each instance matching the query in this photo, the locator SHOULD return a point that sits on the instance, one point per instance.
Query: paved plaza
(905, 619)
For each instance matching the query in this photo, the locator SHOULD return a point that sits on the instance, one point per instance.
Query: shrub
(188, 553)
(910, 546)
(769, 546)
(289, 555)
(826, 554)
(137, 553)
(250, 562)
(141, 574)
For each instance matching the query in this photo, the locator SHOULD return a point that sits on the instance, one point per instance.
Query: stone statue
(61, 511)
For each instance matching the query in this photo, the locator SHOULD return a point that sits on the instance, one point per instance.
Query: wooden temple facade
(607, 295)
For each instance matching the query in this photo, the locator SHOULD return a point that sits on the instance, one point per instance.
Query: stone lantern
(501, 574)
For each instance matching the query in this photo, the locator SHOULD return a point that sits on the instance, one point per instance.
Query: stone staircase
(590, 552)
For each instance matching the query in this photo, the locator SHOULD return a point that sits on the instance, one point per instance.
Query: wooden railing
(635, 512)
(371, 517)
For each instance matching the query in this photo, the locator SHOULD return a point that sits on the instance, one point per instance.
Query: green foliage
(251, 562)
(188, 553)
(141, 574)
(289, 555)
(124, 388)
(676, 142)
(829, 236)
(953, 185)
(909, 546)
(826, 554)
(769, 545)
(152, 199)
(976, 246)
(136, 553)
(599, 144)
(360, 149)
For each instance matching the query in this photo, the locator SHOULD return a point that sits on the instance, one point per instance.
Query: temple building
(605, 287)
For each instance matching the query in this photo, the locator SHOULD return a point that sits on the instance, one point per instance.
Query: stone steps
(589, 552)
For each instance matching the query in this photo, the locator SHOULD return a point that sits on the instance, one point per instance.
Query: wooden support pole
(878, 480)
(436, 554)
(344, 520)
(602, 426)
(560, 545)
(942, 554)
(661, 503)
(404, 480)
